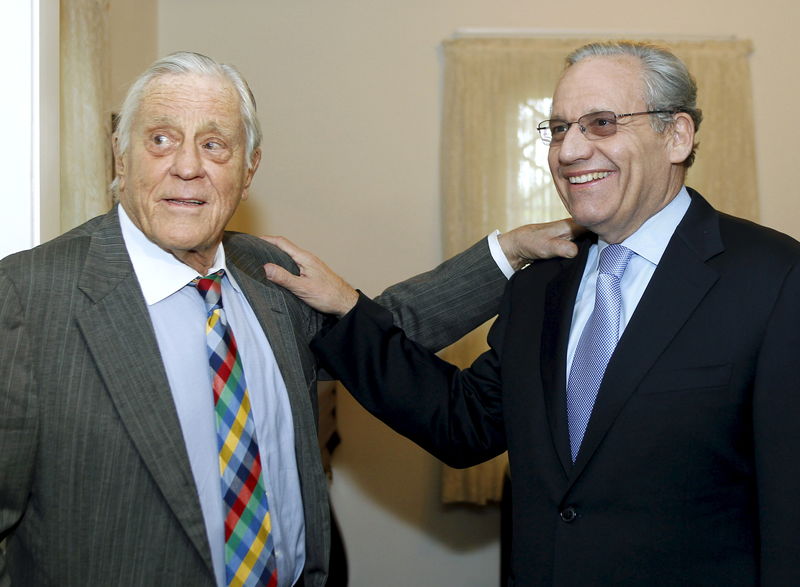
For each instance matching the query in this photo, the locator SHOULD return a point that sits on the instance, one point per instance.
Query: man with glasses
(646, 390)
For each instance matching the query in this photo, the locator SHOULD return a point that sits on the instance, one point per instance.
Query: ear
(119, 162)
(681, 138)
(251, 171)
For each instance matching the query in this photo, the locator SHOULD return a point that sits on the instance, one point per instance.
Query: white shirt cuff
(498, 255)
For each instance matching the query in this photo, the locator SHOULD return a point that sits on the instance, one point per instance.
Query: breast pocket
(701, 378)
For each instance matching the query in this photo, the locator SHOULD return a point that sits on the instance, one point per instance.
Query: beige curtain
(494, 170)
(85, 112)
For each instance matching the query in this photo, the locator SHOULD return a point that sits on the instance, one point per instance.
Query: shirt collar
(159, 273)
(651, 239)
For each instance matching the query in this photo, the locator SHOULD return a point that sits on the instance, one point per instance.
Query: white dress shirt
(648, 244)
(178, 315)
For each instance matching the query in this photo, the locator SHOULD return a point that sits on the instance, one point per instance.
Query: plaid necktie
(249, 552)
(596, 344)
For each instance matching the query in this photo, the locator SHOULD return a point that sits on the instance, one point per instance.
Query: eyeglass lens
(595, 125)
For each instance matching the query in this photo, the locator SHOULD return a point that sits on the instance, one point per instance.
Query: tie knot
(614, 259)
(210, 287)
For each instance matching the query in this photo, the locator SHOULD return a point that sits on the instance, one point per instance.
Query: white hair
(187, 63)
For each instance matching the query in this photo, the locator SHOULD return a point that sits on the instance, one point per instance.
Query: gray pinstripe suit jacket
(95, 482)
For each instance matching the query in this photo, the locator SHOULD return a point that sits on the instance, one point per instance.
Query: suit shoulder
(541, 272)
(57, 254)
(755, 239)
(250, 252)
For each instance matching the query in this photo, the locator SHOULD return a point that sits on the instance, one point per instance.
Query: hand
(540, 241)
(317, 285)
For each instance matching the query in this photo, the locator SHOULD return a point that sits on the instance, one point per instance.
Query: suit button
(568, 514)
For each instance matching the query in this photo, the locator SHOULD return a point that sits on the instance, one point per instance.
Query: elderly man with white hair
(158, 398)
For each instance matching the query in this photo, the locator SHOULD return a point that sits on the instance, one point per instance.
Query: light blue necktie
(597, 343)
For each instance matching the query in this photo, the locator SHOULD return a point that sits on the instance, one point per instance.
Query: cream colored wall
(349, 97)
(133, 41)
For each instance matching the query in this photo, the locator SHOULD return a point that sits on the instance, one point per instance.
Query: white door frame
(29, 145)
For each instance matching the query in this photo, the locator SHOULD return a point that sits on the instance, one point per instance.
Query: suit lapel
(678, 285)
(121, 339)
(270, 309)
(559, 302)
(275, 317)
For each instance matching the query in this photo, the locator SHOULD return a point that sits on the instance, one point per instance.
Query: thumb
(563, 248)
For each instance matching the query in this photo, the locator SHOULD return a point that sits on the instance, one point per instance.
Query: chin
(589, 215)
(179, 245)
(586, 220)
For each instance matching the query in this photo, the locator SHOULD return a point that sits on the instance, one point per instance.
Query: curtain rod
(537, 32)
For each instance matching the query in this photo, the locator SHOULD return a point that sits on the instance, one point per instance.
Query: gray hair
(187, 63)
(668, 85)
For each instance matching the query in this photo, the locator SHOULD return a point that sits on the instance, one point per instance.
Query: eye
(217, 149)
(558, 127)
(602, 120)
(160, 139)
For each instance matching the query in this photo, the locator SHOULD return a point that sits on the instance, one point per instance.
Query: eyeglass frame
(583, 128)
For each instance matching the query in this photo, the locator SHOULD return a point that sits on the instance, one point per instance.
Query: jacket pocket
(702, 378)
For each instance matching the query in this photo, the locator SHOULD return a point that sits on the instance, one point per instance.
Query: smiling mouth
(587, 177)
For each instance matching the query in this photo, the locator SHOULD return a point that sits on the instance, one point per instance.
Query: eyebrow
(169, 121)
(590, 111)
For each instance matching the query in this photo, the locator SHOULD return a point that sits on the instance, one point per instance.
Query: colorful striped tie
(249, 552)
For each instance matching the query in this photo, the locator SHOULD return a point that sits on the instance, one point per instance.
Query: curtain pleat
(85, 113)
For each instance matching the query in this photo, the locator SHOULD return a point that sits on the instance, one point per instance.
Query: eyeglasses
(594, 126)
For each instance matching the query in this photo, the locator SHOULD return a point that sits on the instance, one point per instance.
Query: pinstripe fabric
(454, 298)
(115, 502)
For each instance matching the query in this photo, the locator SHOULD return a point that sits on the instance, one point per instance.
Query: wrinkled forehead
(195, 98)
(593, 84)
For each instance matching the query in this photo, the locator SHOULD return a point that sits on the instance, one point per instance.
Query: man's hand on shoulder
(317, 285)
(540, 241)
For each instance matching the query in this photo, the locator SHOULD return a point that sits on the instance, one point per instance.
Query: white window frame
(29, 148)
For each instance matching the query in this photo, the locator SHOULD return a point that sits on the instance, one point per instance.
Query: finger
(297, 254)
(280, 276)
(574, 228)
(561, 247)
(565, 228)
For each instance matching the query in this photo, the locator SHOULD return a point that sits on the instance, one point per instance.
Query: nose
(187, 163)
(575, 146)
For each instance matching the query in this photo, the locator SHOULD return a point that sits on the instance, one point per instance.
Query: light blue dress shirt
(178, 315)
(648, 244)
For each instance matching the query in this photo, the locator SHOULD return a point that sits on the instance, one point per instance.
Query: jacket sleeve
(455, 415)
(435, 308)
(18, 421)
(440, 306)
